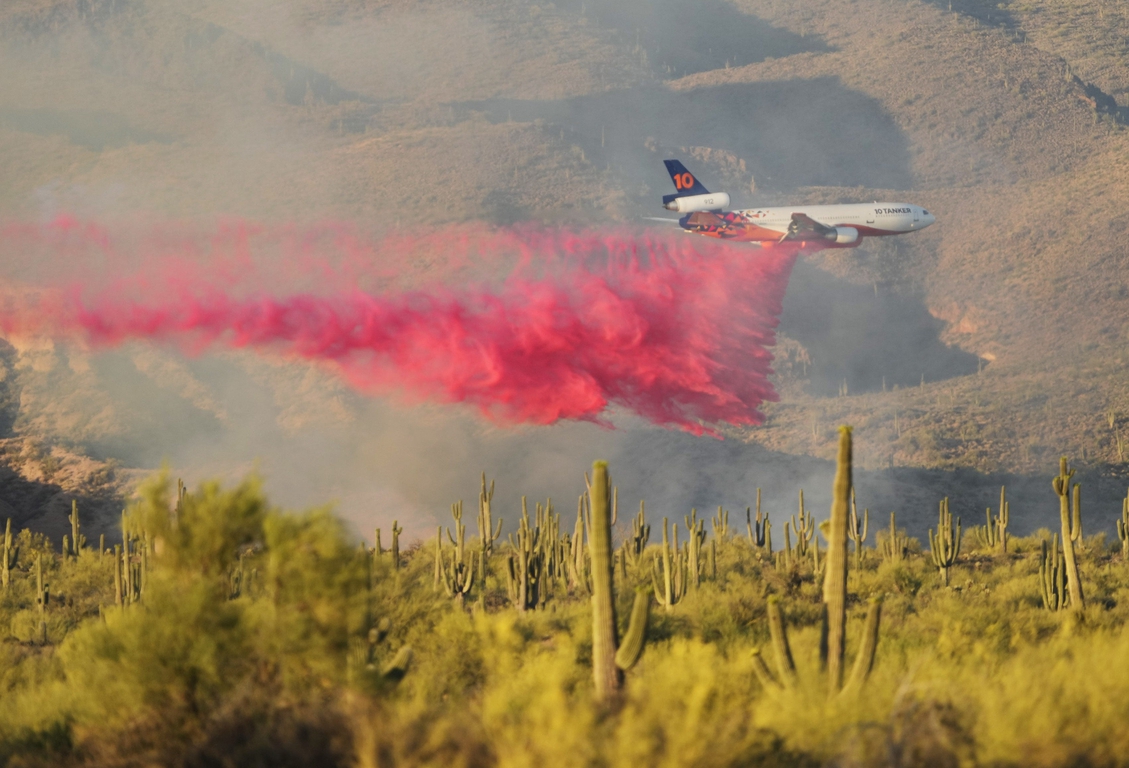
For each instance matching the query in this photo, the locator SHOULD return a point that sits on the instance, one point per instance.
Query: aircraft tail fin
(685, 182)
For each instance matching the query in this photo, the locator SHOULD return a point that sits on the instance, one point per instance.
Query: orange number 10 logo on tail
(683, 181)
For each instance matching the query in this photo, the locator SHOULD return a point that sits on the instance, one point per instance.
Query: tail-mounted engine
(715, 201)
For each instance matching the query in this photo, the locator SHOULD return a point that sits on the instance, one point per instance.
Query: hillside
(993, 340)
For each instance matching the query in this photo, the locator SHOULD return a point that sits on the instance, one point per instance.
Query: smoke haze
(194, 188)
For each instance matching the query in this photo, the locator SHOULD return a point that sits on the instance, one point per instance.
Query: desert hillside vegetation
(219, 629)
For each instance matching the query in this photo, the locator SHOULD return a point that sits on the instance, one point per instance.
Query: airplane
(825, 226)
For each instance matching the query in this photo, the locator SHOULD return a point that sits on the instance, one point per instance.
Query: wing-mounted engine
(842, 235)
(803, 227)
(714, 201)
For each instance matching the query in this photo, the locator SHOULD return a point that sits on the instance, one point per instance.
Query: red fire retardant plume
(675, 329)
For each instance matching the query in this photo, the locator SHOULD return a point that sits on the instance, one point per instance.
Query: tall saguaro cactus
(43, 596)
(487, 535)
(671, 586)
(1071, 519)
(526, 562)
(608, 660)
(786, 666)
(760, 536)
(78, 541)
(605, 673)
(803, 526)
(835, 580)
(944, 547)
(8, 556)
(396, 531)
(834, 599)
(119, 588)
(457, 576)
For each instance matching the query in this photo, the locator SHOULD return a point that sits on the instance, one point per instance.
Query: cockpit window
(925, 211)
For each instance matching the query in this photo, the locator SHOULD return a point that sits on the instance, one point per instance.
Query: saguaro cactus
(944, 547)
(994, 533)
(864, 661)
(696, 532)
(785, 666)
(782, 650)
(720, 524)
(608, 660)
(9, 555)
(396, 531)
(577, 564)
(78, 540)
(127, 560)
(1002, 519)
(119, 594)
(856, 532)
(760, 536)
(835, 582)
(1122, 528)
(632, 646)
(43, 596)
(1052, 576)
(604, 641)
(784, 557)
(487, 535)
(803, 525)
(895, 545)
(397, 668)
(548, 523)
(1071, 519)
(437, 576)
(834, 595)
(181, 500)
(761, 670)
(671, 586)
(457, 576)
(640, 535)
(526, 562)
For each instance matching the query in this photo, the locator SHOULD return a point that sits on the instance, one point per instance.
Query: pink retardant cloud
(678, 330)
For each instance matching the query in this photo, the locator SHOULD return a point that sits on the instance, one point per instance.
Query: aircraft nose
(927, 218)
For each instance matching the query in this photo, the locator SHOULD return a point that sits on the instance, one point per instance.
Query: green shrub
(260, 638)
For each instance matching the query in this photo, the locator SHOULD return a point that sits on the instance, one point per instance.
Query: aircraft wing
(706, 219)
(804, 227)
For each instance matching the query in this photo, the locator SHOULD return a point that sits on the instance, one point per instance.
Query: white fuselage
(868, 218)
